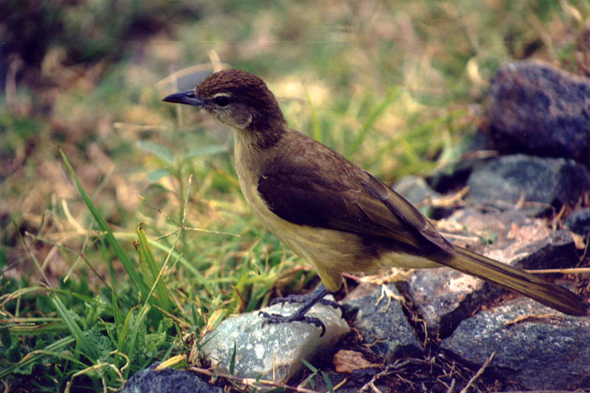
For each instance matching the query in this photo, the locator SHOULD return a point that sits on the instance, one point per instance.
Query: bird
(332, 213)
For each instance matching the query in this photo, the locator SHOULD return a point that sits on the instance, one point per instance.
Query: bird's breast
(322, 247)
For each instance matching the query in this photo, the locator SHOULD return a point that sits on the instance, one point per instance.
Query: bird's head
(236, 98)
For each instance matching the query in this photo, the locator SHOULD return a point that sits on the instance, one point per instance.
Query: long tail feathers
(544, 292)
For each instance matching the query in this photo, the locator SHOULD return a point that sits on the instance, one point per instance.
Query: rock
(540, 110)
(579, 222)
(514, 238)
(168, 380)
(416, 190)
(444, 296)
(502, 181)
(549, 351)
(382, 324)
(452, 176)
(273, 351)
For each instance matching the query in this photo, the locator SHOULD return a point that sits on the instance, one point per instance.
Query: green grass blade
(55, 347)
(125, 330)
(232, 361)
(134, 332)
(328, 382)
(368, 125)
(157, 174)
(85, 345)
(205, 151)
(110, 238)
(116, 310)
(160, 151)
(147, 255)
(309, 366)
(316, 125)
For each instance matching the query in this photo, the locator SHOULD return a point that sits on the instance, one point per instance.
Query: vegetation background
(163, 247)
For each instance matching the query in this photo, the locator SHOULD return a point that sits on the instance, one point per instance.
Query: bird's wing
(407, 212)
(348, 199)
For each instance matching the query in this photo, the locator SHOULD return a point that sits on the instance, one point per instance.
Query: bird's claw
(271, 319)
(302, 299)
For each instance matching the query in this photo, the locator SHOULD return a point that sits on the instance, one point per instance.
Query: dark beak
(185, 97)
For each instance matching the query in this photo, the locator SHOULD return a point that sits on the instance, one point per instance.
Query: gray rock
(579, 222)
(540, 110)
(538, 353)
(444, 296)
(416, 190)
(167, 381)
(382, 324)
(502, 181)
(273, 351)
(453, 175)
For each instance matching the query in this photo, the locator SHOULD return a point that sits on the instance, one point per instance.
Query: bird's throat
(259, 139)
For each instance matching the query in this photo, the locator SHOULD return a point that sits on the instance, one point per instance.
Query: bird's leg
(308, 302)
(305, 298)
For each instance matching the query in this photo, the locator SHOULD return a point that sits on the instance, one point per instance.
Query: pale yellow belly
(331, 252)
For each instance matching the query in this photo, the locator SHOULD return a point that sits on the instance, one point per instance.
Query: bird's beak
(186, 97)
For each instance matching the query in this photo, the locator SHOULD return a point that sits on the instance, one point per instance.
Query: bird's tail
(536, 288)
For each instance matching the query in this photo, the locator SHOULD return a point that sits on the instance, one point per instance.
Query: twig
(452, 386)
(478, 373)
(387, 371)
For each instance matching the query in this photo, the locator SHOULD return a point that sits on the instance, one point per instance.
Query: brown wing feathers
(354, 201)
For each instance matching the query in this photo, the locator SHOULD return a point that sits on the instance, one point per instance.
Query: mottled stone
(546, 350)
(417, 191)
(168, 380)
(540, 110)
(474, 150)
(503, 181)
(579, 222)
(273, 351)
(381, 322)
(444, 296)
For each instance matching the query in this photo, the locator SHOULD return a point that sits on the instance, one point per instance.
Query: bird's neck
(260, 139)
(255, 151)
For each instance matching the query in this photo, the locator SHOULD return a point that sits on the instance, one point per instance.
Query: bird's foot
(308, 301)
(303, 299)
(271, 319)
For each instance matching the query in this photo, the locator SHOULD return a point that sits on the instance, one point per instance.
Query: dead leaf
(349, 361)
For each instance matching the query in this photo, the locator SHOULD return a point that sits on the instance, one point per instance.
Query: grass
(125, 236)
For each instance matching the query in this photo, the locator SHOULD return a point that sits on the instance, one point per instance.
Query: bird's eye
(221, 101)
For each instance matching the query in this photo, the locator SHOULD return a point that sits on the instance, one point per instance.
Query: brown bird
(330, 211)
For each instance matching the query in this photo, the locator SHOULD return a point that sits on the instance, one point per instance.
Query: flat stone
(445, 296)
(273, 351)
(168, 380)
(538, 109)
(381, 322)
(546, 350)
(503, 181)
